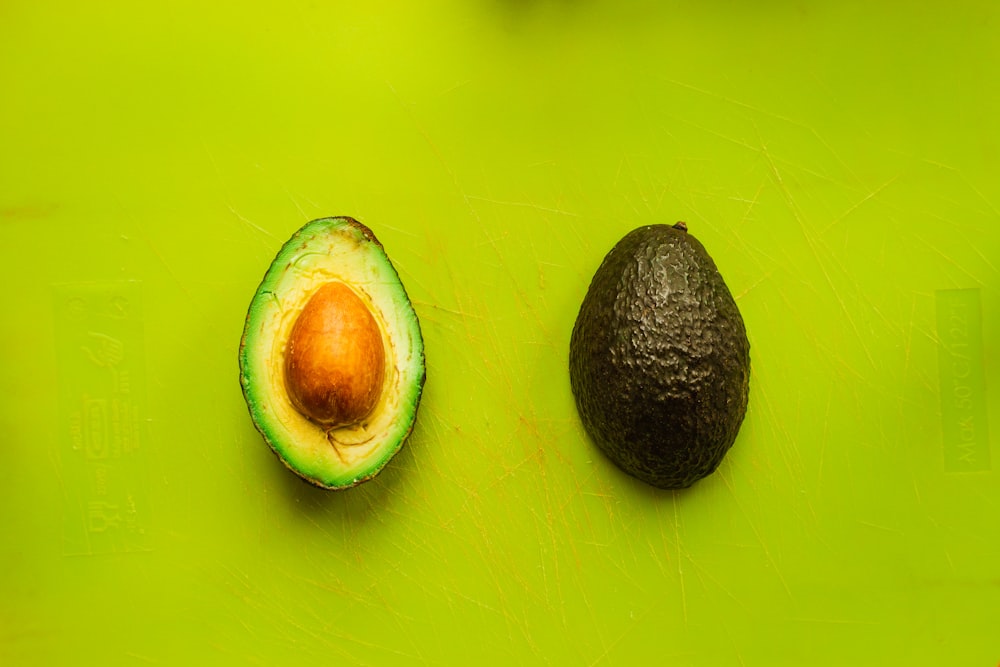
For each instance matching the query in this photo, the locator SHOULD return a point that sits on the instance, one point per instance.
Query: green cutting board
(839, 160)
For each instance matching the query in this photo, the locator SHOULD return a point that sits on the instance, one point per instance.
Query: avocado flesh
(659, 359)
(323, 251)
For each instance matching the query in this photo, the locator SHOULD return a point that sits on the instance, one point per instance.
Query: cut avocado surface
(659, 358)
(332, 357)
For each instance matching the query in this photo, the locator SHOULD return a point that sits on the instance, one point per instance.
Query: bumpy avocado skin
(659, 359)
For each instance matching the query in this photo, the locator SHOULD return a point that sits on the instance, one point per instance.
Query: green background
(838, 159)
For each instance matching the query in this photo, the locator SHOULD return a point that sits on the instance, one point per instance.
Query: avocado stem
(681, 225)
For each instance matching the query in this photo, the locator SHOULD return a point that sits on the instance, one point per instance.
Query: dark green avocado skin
(659, 359)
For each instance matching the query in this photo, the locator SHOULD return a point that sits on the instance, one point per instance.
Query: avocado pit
(335, 358)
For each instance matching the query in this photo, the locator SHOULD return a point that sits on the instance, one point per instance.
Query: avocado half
(659, 358)
(284, 325)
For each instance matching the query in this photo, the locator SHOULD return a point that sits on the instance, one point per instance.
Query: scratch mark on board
(868, 197)
(811, 241)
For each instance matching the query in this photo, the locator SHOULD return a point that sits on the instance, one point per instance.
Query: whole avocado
(659, 358)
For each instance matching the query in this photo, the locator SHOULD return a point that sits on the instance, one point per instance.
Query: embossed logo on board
(99, 346)
(963, 387)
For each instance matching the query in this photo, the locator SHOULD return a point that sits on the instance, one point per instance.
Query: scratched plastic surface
(839, 160)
